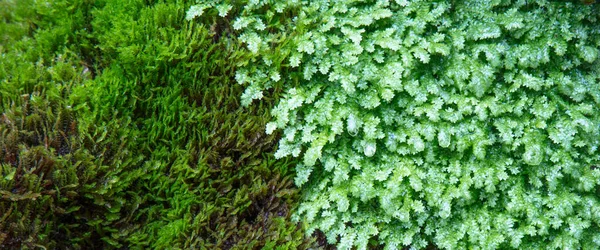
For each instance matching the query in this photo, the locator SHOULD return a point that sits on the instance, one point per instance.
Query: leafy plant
(464, 124)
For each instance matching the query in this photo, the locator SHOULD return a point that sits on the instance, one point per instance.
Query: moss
(210, 181)
(147, 145)
(49, 176)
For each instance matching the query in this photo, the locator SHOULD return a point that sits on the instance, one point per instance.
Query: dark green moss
(49, 176)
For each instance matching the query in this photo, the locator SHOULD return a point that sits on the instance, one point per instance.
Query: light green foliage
(464, 124)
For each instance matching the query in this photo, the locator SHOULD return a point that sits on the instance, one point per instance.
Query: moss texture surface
(121, 127)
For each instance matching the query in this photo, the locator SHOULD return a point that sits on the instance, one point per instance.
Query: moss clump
(121, 128)
(52, 180)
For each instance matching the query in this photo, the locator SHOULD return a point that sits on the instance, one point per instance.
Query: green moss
(49, 176)
(209, 181)
(148, 144)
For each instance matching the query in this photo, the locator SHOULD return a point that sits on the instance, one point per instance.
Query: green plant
(464, 124)
(206, 180)
(52, 186)
(121, 128)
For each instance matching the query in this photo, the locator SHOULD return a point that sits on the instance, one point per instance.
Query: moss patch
(121, 128)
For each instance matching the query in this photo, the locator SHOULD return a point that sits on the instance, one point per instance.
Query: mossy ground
(121, 127)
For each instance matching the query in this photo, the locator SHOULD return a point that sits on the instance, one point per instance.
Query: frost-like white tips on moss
(370, 100)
